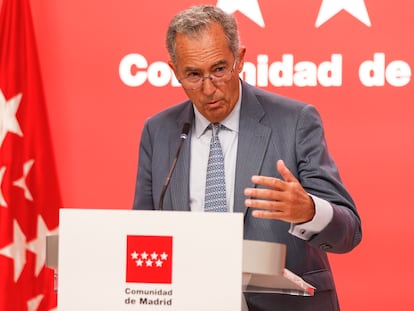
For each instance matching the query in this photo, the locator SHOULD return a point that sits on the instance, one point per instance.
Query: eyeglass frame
(211, 77)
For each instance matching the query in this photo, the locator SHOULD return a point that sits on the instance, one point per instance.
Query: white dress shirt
(200, 148)
(228, 135)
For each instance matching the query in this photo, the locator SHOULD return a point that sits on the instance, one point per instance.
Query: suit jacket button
(325, 246)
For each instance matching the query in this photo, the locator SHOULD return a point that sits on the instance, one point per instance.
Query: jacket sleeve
(143, 198)
(319, 175)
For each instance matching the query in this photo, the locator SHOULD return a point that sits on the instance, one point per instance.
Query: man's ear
(172, 66)
(240, 60)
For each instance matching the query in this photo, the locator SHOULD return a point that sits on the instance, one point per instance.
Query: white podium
(152, 260)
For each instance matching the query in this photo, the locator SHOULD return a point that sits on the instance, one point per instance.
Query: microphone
(183, 137)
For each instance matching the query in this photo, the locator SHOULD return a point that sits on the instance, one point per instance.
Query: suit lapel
(252, 145)
(179, 187)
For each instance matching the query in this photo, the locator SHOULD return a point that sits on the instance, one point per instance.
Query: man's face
(202, 56)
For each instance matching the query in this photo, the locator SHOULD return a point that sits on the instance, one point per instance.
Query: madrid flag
(29, 196)
(149, 259)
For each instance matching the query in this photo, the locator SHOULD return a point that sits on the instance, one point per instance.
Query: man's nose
(208, 86)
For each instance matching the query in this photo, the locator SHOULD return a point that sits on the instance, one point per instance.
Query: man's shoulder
(173, 113)
(272, 101)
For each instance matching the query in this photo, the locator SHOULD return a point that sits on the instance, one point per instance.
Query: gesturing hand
(280, 199)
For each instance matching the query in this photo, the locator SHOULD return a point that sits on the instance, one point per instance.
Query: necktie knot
(215, 127)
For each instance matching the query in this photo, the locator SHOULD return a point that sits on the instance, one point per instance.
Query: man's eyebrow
(218, 63)
(188, 68)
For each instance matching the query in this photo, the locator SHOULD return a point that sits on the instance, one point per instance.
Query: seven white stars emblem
(149, 260)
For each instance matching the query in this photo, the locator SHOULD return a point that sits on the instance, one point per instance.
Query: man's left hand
(280, 199)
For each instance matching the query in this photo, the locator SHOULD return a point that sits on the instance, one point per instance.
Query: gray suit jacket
(271, 127)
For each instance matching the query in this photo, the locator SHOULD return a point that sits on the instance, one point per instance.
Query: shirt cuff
(323, 216)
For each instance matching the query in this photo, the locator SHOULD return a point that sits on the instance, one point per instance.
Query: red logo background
(149, 259)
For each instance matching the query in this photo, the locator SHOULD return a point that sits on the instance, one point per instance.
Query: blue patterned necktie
(215, 199)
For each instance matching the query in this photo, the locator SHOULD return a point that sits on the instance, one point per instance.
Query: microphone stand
(183, 137)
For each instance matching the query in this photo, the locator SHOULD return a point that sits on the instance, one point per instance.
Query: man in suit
(278, 171)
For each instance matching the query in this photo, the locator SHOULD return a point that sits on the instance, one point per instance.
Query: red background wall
(96, 118)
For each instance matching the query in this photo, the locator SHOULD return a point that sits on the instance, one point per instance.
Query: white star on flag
(38, 245)
(134, 255)
(33, 304)
(16, 250)
(250, 8)
(330, 8)
(2, 200)
(21, 182)
(8, 120)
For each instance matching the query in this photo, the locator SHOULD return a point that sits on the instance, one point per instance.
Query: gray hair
(195, 20)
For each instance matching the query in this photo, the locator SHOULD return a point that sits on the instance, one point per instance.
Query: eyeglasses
(220, 75)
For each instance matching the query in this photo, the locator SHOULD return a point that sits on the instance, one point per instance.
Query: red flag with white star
(29, 193)
(149, 259)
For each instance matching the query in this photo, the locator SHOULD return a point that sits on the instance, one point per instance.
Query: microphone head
(185, 131)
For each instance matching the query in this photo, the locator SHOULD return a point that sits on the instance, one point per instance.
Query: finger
(269, 182)
(263, 193)
(267, 214)
(264, 204)
(285, 172)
